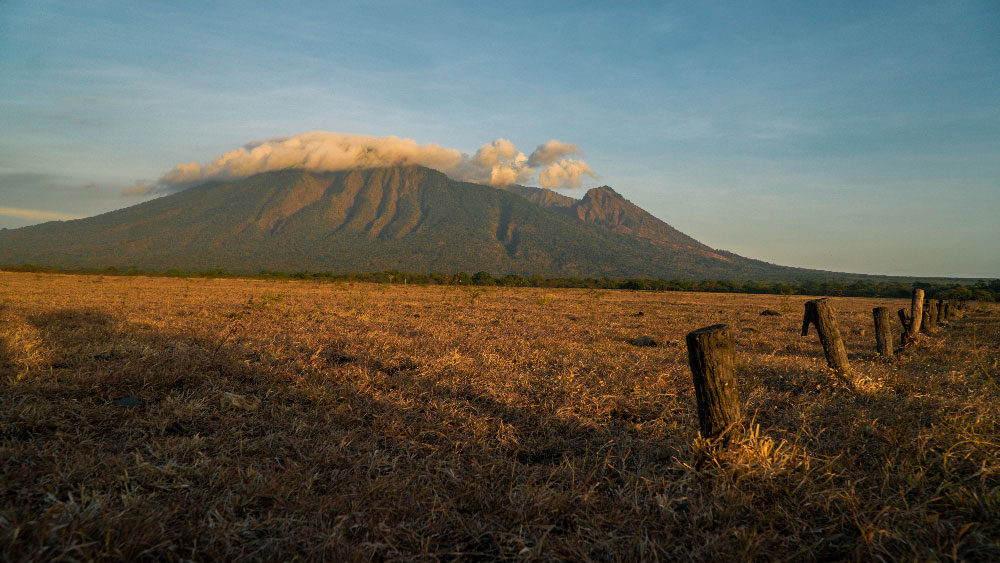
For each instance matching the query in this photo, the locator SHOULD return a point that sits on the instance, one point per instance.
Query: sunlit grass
(352, 421)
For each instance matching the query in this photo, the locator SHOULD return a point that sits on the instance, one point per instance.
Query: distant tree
(635, 284)
(482, 278)
(462, 278)
(959, 294)
(983, 296)
(514, 280)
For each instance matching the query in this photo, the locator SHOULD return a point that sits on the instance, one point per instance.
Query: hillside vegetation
(236, 419)
(406, 218)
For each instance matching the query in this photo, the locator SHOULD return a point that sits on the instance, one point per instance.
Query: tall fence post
(947, 311)
(883, 332)
(819, 313)
(940, 312)
(711, 352)
(916, 311)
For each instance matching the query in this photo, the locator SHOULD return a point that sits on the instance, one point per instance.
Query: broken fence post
(927, 326)
(819, 313)
(904, 319)
(883, 332)
(711, 352)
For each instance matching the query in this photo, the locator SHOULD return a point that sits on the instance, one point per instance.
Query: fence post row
(711, 353)
(819, 313)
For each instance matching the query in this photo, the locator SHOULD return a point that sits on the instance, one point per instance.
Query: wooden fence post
(819, 313)
(947, 311)
(904, 319)
(710, 353)
(940, 312)
(916, 311)
(883, 332)
(927, 326)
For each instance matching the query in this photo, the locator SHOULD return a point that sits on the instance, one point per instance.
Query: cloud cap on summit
(499, 163)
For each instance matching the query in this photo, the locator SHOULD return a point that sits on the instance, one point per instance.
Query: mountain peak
(602, 192)
(405, 217)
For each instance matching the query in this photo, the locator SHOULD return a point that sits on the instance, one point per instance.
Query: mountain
(407, 218)
(606, 207)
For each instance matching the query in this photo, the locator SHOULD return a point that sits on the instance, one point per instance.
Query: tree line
(977, 290)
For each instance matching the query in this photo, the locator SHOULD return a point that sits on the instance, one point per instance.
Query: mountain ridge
(407, 217)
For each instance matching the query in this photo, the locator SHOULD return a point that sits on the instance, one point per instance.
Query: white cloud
(565, 174)
(498, 163)
(551, 151)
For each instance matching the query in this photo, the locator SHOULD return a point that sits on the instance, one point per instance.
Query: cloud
(498, 163)
(140, 188)
(551, 151)
(497, 152)
(564, 174)
(36, 214)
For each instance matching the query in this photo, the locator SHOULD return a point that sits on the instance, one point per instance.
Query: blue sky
(861, 137)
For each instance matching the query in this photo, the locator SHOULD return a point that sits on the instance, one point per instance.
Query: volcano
(406, 218)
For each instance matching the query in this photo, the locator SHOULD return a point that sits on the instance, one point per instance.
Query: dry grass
(288, 420)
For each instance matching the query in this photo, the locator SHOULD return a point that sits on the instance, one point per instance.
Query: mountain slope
(606, 207)
(408, 218)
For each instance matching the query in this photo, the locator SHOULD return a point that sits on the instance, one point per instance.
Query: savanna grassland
(338, 421)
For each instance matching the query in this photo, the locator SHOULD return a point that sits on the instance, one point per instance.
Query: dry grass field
(284, 420)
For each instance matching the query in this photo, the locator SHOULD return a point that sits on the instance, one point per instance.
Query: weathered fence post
(818, 312)
(947, 311)
(883, 332)
(927, 326)
(904, 319)
(916, 311)
(940, 312)
(710, 353)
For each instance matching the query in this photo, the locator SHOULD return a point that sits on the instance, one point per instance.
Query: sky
(848, 136)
